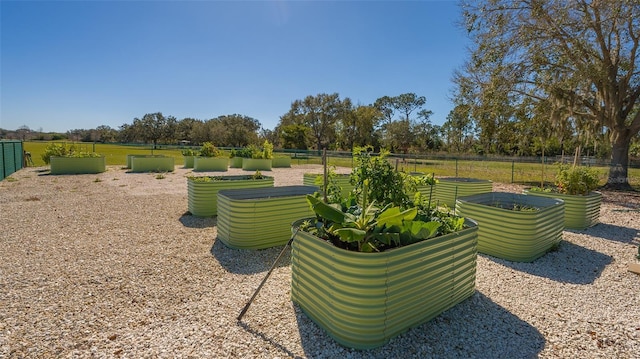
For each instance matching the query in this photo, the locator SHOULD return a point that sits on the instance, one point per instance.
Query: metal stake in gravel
(246, 307)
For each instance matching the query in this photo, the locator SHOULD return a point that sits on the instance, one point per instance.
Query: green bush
(576, 180)
(62, 150)
(209, 150)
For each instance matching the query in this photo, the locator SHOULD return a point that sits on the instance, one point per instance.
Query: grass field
(504, 172)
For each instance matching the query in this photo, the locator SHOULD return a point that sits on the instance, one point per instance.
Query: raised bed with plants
(260, 218)
(261, 158)
(575, 186)
(65, 159)
(210, 159)
(450, 188)
(366, 271)
(513, 226)
(202, 191)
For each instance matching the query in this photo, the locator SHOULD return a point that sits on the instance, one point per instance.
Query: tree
(579, 56)
(319, 113)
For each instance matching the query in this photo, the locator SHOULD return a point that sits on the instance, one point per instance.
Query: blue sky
(81, 64)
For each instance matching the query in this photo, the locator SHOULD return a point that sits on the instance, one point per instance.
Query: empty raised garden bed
(580, 211)
(260, 217)
(514, 226)
(152, 163)
(202, 191)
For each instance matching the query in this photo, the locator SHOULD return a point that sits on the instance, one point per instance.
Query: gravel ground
(112, 266)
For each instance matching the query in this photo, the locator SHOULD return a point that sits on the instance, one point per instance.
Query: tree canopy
(572, 64)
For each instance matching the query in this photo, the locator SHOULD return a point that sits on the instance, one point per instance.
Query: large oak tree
(579, 58)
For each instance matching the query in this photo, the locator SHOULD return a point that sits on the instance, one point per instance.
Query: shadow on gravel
(570, 263)
(268, 340)
(475, 328)
(245, 261)
(611, 232)
(191, 221)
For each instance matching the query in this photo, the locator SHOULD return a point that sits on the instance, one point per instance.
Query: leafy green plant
(246, 152)
(190, 152)
(62, 150)
(333, 190)
(367, 228)
(209, 150)
(385, 184)
(206, 179)
(160, 176)
(576, 180)
(572, 180)
(266, 152)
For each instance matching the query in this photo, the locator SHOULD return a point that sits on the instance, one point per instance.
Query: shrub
(209, 150)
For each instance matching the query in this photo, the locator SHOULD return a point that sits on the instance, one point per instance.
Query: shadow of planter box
(281, 162)
(309, 179)
(235, 162)
(77, 165)
(188, 161)
(448, 189)
(364, 299)
(256, 164)
(260, 217)
(515, 235)
(202, 196)
(580, 212)
(210, 163)
(152, 164)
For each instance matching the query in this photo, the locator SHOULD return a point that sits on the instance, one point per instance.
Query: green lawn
(504, 172)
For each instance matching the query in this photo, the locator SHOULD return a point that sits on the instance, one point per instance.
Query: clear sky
(81, 64)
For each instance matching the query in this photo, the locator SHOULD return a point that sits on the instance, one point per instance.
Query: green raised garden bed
(210, 163)
(314, 179)
(202, 191)
(580, 212)
(188, 161)
(260, 218)
(281, 162)
(77, 165)
(152, 164)
(256, 164)
(514, 226)
(364, 299)
(235, 162)
(448, 189)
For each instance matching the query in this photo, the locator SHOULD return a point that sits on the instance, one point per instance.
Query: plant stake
(246, 307)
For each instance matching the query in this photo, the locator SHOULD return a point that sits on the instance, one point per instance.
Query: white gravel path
(111, 266)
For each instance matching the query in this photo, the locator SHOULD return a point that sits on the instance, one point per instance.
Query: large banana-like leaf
(351, 234)
(325, 211)
(393, 217)
(423, 230)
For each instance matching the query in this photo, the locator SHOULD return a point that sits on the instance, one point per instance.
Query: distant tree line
(398, 123)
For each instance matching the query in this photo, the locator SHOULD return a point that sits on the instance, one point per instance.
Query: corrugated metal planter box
(188, 161)
(256, 164)
(448, 189)
(235, 162)
(580, 212)
(343, 180)
(152, 164)
(515, 235)
(202, 197)
(77, 165)
(364, 299)
(210, 163)
(261, 217)
(281, 161)
(129, 157)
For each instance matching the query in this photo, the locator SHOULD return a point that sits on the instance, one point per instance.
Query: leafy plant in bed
(575, 185)
(210, 159)
(260, 158)
(374, 264)
(65, 159)
(202, 191)
(189, 155)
